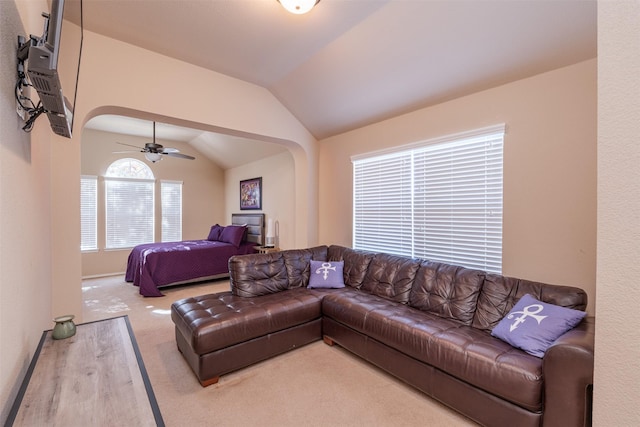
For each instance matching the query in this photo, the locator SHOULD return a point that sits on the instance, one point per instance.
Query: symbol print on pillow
(326, 266)
(529, 311)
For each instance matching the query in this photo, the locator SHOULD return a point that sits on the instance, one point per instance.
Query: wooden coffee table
(96, 377)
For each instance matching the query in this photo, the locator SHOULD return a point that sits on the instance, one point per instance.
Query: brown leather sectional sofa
(424, 322)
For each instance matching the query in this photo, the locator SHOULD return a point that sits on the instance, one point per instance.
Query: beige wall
(213, 102)
(25, 217)
(278, 193)
(203, 201)
(617, 367)
(28, 247)
(549, 232)
(156, 90)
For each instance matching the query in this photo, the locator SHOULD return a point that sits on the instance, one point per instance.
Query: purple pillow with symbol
(325, 274)
(533, 325)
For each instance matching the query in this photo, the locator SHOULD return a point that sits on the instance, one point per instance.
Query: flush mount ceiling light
(298, 6)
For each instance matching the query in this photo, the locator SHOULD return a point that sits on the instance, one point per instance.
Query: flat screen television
(54, 64)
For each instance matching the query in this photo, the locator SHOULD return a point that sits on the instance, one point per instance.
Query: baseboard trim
(97, 276)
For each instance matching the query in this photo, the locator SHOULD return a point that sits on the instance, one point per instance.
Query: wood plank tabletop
(95, 378)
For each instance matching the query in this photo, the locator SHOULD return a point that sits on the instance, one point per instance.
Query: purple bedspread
(153, 265)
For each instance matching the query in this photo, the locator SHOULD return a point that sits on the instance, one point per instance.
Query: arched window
(129, 168)
(129, 204)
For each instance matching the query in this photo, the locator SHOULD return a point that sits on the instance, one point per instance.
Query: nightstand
(266, 250)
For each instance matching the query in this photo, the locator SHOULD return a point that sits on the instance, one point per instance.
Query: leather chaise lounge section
(426, 323)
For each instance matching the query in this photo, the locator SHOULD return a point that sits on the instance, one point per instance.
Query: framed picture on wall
(251, 194)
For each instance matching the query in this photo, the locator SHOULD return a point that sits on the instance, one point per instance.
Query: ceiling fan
(154, 152)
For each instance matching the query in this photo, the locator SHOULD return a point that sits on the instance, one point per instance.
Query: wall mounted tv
(52, 64)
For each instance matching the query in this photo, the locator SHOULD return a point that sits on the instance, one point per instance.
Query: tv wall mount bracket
(25, 107)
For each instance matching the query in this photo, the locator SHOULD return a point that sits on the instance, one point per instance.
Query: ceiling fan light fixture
(298, 6)
(153, 157)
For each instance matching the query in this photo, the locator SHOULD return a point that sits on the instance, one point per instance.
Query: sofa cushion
(446, 290)
(253, 275)
(499, 294)
(390, 277)
(326, 275)
(467, 353)
(297, 264)
(214, 321)
(533, 325)
(356, 263)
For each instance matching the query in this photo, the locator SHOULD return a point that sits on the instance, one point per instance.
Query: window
(88, 213)
(171, 199)
(129, 204)
(439, 200)
(382, 204)
(129, 168)
(129, 207)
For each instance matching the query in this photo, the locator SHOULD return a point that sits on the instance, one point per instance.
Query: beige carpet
(315, 385)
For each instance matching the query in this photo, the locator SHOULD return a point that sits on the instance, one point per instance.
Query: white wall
(617, 367)
(549, 232)
(278, 193)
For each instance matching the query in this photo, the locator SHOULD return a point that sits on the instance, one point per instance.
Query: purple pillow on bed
(233, 234)
(215, 232)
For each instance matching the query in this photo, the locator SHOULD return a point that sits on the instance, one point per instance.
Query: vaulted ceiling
(349, 63)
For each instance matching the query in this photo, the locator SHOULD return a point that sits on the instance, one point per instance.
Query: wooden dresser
(94, 378)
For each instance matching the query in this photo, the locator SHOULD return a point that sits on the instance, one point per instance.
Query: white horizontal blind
(452, 210)
(382, 204)
(88, 213)
(129, 212)
(171, 200)
(458, 202)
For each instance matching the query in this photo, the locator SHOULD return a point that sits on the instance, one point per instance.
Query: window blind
(171, 200)
(442, 201)
(382, 204)
(88, 213)
(129, 213)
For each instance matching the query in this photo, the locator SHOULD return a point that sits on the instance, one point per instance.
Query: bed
(152, 266)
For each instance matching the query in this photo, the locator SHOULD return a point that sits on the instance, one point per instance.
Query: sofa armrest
(568, 377)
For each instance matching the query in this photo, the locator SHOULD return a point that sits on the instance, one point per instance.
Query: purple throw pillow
(214, 233)
(533, 325)
(233, 234)
(325, 274)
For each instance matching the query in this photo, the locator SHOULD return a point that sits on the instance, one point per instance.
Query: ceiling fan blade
(179, 155)
(155, 148)
(129, 145)
(123, 152)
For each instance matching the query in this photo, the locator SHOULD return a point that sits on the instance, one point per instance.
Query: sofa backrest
(499, 294)
(473, 297)
(390, 277)
(448, 291)
(260, 274)
(356, 263)
(253, 275)
(297, 263)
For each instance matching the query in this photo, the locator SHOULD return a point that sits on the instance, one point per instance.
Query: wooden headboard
(255, 226)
